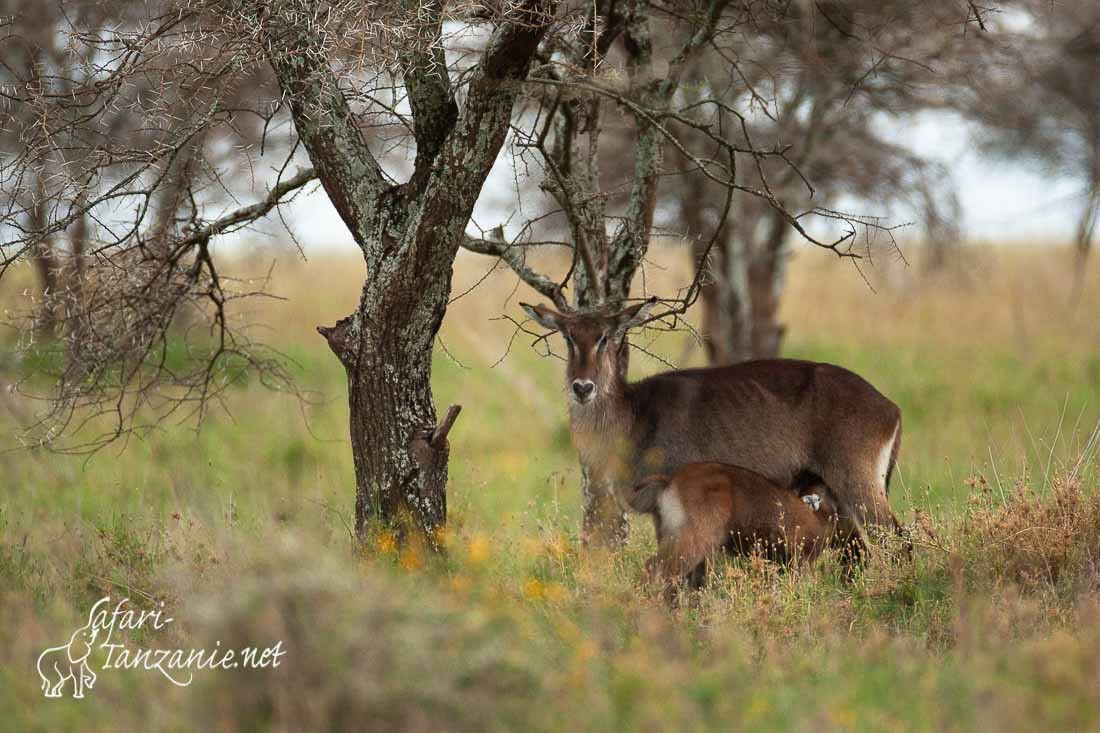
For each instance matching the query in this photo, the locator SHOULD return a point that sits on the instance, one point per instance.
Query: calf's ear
(545, 317)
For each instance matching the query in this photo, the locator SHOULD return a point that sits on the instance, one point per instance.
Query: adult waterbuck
(782, 418)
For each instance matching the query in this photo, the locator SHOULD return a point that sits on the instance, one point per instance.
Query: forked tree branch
(455, 181)
(428, 83)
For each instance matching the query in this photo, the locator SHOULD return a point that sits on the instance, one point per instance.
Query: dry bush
(1043, 542)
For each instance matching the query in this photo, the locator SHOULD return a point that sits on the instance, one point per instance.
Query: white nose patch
(671, 509)
(812, 500)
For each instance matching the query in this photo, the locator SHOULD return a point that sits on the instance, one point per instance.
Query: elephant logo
(60, 664)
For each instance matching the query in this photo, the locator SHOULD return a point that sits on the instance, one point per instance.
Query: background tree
(822, 85)
(49, 52)
(1033, 94)
(37, 57)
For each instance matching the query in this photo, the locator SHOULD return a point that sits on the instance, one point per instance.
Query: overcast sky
(1002, 202)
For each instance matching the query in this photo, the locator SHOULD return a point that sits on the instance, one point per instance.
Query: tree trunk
(742, 292)
(400, 475)
(606, 264)
(605, 518)
(767, 280)
(45, 319)
(1086, 226)
(46, 266)
(400, 452)
(409, 234)
(727, 308)
(74, 286)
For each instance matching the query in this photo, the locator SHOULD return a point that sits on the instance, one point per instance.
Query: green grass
(971, 411)
(241, 529)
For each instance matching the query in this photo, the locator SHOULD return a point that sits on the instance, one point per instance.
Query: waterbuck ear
(545, 317)
(633, 315)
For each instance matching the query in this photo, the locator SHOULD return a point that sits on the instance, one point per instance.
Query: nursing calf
(704, 508)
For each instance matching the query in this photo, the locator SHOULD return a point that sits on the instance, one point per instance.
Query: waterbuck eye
(602, 342)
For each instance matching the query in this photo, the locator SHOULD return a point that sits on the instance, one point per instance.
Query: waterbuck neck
(601, 432)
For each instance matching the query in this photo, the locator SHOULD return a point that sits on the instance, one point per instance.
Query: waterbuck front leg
(605, 520)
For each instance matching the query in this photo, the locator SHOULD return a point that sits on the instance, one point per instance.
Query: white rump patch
(671, 509)
(883, 464)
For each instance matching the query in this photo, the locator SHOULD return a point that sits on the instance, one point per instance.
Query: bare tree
(1034, 94)
(652, 92)
(36, 57)
(341, 70)
(822, 82)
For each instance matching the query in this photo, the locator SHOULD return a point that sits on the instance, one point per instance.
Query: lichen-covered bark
(400, 473)
(604, 515)
(767, 279)
(724, 297)
(409, 234)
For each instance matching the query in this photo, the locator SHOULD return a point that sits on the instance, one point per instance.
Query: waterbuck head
(595, 340)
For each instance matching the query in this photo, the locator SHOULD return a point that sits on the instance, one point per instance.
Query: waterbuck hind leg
(853, 554)
(857, 473)
(656, 573)
(698, 575)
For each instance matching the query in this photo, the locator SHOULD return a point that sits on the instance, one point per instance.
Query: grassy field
(241, 530)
